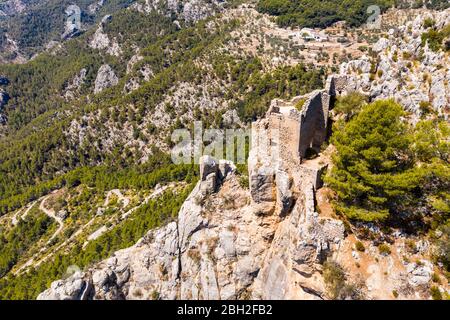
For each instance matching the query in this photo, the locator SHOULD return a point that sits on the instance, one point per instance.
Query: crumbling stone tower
(280, 142)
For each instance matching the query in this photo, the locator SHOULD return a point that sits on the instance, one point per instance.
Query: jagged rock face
(75, 85)
(106, 78)
(101, 40)
(217, 249)
(71, 31)
(405, 71)
(203, 255)
(292, 266)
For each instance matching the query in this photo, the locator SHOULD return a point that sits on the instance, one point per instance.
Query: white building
(309, 34)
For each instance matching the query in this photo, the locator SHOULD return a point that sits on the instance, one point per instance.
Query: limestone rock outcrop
(102, 41)
(412, 74)
(106, 78)
(73, 288)
(419, 273)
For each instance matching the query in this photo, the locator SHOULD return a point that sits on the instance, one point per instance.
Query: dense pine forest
(310, 13)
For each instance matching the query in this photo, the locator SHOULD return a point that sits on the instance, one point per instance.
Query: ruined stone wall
(313, 122)
(289, 136)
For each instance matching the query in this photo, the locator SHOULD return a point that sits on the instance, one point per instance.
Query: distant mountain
(28, 26)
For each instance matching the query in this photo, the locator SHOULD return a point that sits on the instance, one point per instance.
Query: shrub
(244, 182)
(336, 283)
(435, 293)
(395, 293)
(411, 246)
(138, 292)
(334, 277)
(350, 104)
(428, 23)
(417, 4)
(435, 278)
(155, 295)
(360, 246)
(425, 107)
(299, 105)
(435, 38)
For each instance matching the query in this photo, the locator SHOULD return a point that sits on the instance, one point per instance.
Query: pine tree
(373, 170)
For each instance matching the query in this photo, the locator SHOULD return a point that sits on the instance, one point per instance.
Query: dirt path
(15, 218)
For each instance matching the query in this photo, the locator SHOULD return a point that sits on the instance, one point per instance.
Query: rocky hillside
(279, 239)
(324, 208)
(407, 66)
(29, 27)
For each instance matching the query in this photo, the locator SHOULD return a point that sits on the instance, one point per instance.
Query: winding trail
(28, 210)
(51, 214)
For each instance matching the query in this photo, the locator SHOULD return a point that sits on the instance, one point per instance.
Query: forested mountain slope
(86, 124)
